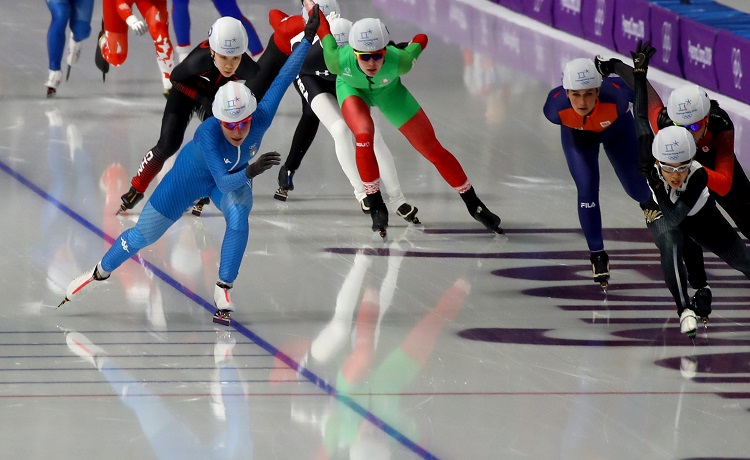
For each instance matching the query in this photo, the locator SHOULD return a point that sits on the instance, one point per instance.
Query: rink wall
(703, 42)
(691, 45)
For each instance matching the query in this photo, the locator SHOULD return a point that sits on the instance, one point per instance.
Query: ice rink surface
(445, 341)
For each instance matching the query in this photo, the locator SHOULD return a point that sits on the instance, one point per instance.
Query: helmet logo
(685, 109)
(232, 108)
(671, 152)
(583, 77)
(364, 38)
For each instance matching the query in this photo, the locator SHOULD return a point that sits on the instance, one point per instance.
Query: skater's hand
(605, 67)
(641, 56)
(421, 39)
(313, 22)
(263, 163)
(136, 25)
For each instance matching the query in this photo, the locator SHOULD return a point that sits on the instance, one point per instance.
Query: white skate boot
(74, 52)
(53, 81)
(83, 280)
(223, 302)
(688, 322)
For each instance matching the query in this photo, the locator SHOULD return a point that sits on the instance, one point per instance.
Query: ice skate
(74, 52)
(198, 207)
(53, 81)
(688, 323)
(487, 218)
(600, 267)
(223, 303)
(130, 199)
(285, 183)
(82, 346)
(379, 214)
(99, 60)
(83, 280)
(408, 213)
(281, 194)
(701, 303)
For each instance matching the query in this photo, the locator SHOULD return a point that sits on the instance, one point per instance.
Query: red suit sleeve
(720, 179)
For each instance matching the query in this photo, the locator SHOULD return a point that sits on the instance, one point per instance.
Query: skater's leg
(329, 113)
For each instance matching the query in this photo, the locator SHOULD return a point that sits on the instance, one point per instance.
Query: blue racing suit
(209, 166)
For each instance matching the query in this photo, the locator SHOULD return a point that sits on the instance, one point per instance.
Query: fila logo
(588, 205)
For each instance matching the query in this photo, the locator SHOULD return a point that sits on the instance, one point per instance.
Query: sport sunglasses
(237, 124)
(674, 169)
(366, 56)
(695, 127)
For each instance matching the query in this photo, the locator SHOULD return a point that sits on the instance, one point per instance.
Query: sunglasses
(238, 124)
(695, 127)
(375, 56)
(674, 169)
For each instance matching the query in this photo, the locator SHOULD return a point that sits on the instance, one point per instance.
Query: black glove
(263, 163)
(313, 22)
(605, 68)
(205, 110)
(642, 54)
(653, 177)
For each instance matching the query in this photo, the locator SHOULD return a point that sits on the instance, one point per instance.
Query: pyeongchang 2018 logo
(737, 67)
(666, 41)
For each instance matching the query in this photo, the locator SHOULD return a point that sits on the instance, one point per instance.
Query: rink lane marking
(272, 350)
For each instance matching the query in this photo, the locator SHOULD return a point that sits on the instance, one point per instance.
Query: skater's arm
(722, 144)
(556, 101)
(407, 57)
(625, 72)
(676, 212)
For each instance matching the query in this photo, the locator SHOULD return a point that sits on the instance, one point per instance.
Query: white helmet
(228, 37)
(688, 104)
(326, 7)
(340, 28)
(581, 74)
(673, 144)
(234, 102)
(369, 34)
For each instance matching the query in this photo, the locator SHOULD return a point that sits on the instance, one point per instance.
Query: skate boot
(688, 323)
(74, 52)
(285, 183)
(53, 81)
(600, 267)
(223, 303)
(488, 219)
(379, 214)
(408, 213)
(130, 199)
(479, 211)
(83, 280)
(99, 60)
(82, 346)
(701, 303)
(198, 208)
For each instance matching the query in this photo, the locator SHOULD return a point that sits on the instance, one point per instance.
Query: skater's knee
(236, 216)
